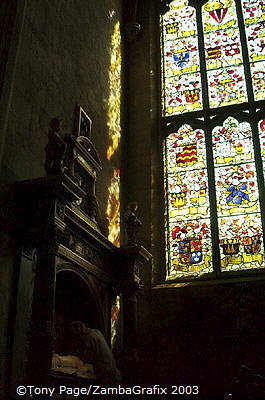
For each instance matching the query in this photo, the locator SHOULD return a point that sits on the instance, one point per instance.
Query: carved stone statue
(133, 30)
(132, 223)
(55, 149)
(132, 27)
(68, 158)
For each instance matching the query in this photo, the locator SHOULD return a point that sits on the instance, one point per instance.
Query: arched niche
(75, 300)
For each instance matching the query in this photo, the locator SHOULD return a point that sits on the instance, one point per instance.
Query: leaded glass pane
(254, 17)
(219, 16)
(226, 86)
(186, 150)
(182, 80)
(256, 41)
(258, 79)
(232, 143)
(188, 223)
(226, 78)
(187, 201)
(254, 11)
(238, 209)
(222, 49)
(262, 141)
(241, 242)
(236, 189)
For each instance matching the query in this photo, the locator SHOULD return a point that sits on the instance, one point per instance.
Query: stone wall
(7, 18)
(203, 333)
(64, 60)
(65, 54)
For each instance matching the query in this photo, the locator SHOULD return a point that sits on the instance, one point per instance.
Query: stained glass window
(225, 72)
(213, 97)
(182, 81)
(262, 140)
(254, 18)
(238, 208)
(189, 240)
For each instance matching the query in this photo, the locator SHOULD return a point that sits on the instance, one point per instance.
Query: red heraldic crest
(188, 156)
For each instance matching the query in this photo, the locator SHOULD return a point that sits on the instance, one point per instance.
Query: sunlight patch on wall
(115, 315)
(111, 14)
(113, 209)
(114, 100)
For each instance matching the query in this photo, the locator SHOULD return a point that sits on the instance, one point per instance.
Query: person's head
(133, 206)
(78, 328)
(55, 124)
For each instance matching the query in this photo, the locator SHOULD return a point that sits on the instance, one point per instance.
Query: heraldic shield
(190, 251)
(252, 244)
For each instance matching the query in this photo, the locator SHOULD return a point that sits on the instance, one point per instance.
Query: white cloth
(70, 364)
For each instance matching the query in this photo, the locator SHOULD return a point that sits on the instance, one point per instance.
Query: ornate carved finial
(132, 27)
(132, 223)
(165, 6)
(54, 149)
(133, 30)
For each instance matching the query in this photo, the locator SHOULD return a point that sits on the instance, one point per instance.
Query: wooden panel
(7, 18)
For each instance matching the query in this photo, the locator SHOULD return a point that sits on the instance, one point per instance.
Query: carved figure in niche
(91, 347)
(133, 30)
(132, 223)
(132, 27)
(68, 158)
(54, 149)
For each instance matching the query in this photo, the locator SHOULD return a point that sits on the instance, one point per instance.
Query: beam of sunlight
(113, 208)
(114, 100)
(115, 315)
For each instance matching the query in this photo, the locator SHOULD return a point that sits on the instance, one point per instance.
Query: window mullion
(162, 63)
(244, 48)
(209, 152)
(259, 170)
(212, 199)
(167, 209)
(203, 68)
